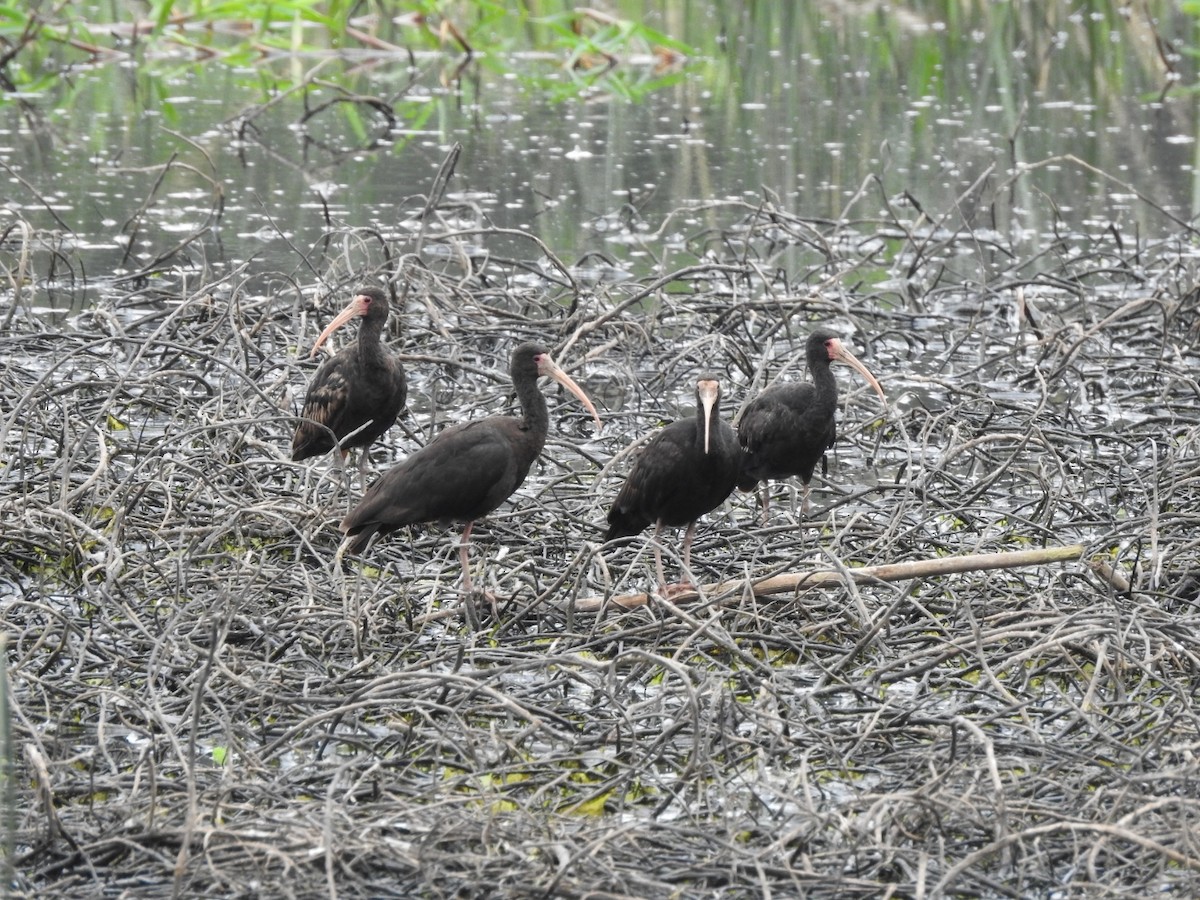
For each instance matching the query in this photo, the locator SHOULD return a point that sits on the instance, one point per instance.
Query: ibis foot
(480, 607)
(674, 590)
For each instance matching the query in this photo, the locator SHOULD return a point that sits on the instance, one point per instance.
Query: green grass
(564, 54)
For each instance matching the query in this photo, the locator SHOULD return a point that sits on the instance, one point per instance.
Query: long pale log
(800, 581)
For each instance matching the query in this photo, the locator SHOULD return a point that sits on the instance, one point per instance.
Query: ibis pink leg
(462, 558)
(662, 579)
(687, 549)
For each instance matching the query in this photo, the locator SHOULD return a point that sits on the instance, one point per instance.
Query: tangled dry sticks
(202, 704)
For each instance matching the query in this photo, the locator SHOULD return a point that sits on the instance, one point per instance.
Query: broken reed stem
(1112, 576)
(794, 582)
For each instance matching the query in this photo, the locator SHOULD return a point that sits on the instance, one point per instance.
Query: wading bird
(687, 470)
(467, 470)
(356, 394)
(787, 428)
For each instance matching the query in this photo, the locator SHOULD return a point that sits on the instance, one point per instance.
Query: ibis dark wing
(464, 473)
(784, 431)
(659, 480)
(342, 398)
(324, 410)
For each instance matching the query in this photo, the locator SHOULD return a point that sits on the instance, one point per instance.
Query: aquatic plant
(565, 54)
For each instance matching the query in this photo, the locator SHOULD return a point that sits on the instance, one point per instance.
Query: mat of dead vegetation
(201, 703)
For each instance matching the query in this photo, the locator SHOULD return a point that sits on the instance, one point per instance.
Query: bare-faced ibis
(467, 470)
(787, 428)
(356, 394)
(687, 470)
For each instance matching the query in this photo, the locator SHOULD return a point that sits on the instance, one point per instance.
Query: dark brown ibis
(357, 393)
(467, 470)
(687, 470)
(787, 428)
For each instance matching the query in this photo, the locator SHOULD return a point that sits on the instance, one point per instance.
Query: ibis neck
(826, 384)
(370, 345)
(536, 415)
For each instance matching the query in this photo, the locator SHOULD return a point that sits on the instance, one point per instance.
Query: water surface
(1029, 125)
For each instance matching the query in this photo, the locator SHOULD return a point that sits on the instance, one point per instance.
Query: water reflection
(995, 118)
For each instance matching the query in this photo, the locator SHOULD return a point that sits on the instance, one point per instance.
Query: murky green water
(1026, 122)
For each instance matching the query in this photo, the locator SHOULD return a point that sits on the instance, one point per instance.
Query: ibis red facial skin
(786, 429)
(356, 394)
(468, 470)
(685, 471)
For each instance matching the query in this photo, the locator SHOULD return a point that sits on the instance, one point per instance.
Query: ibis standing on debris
(356, 394)
(467, 470)
(687, 470)
(787, 428)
